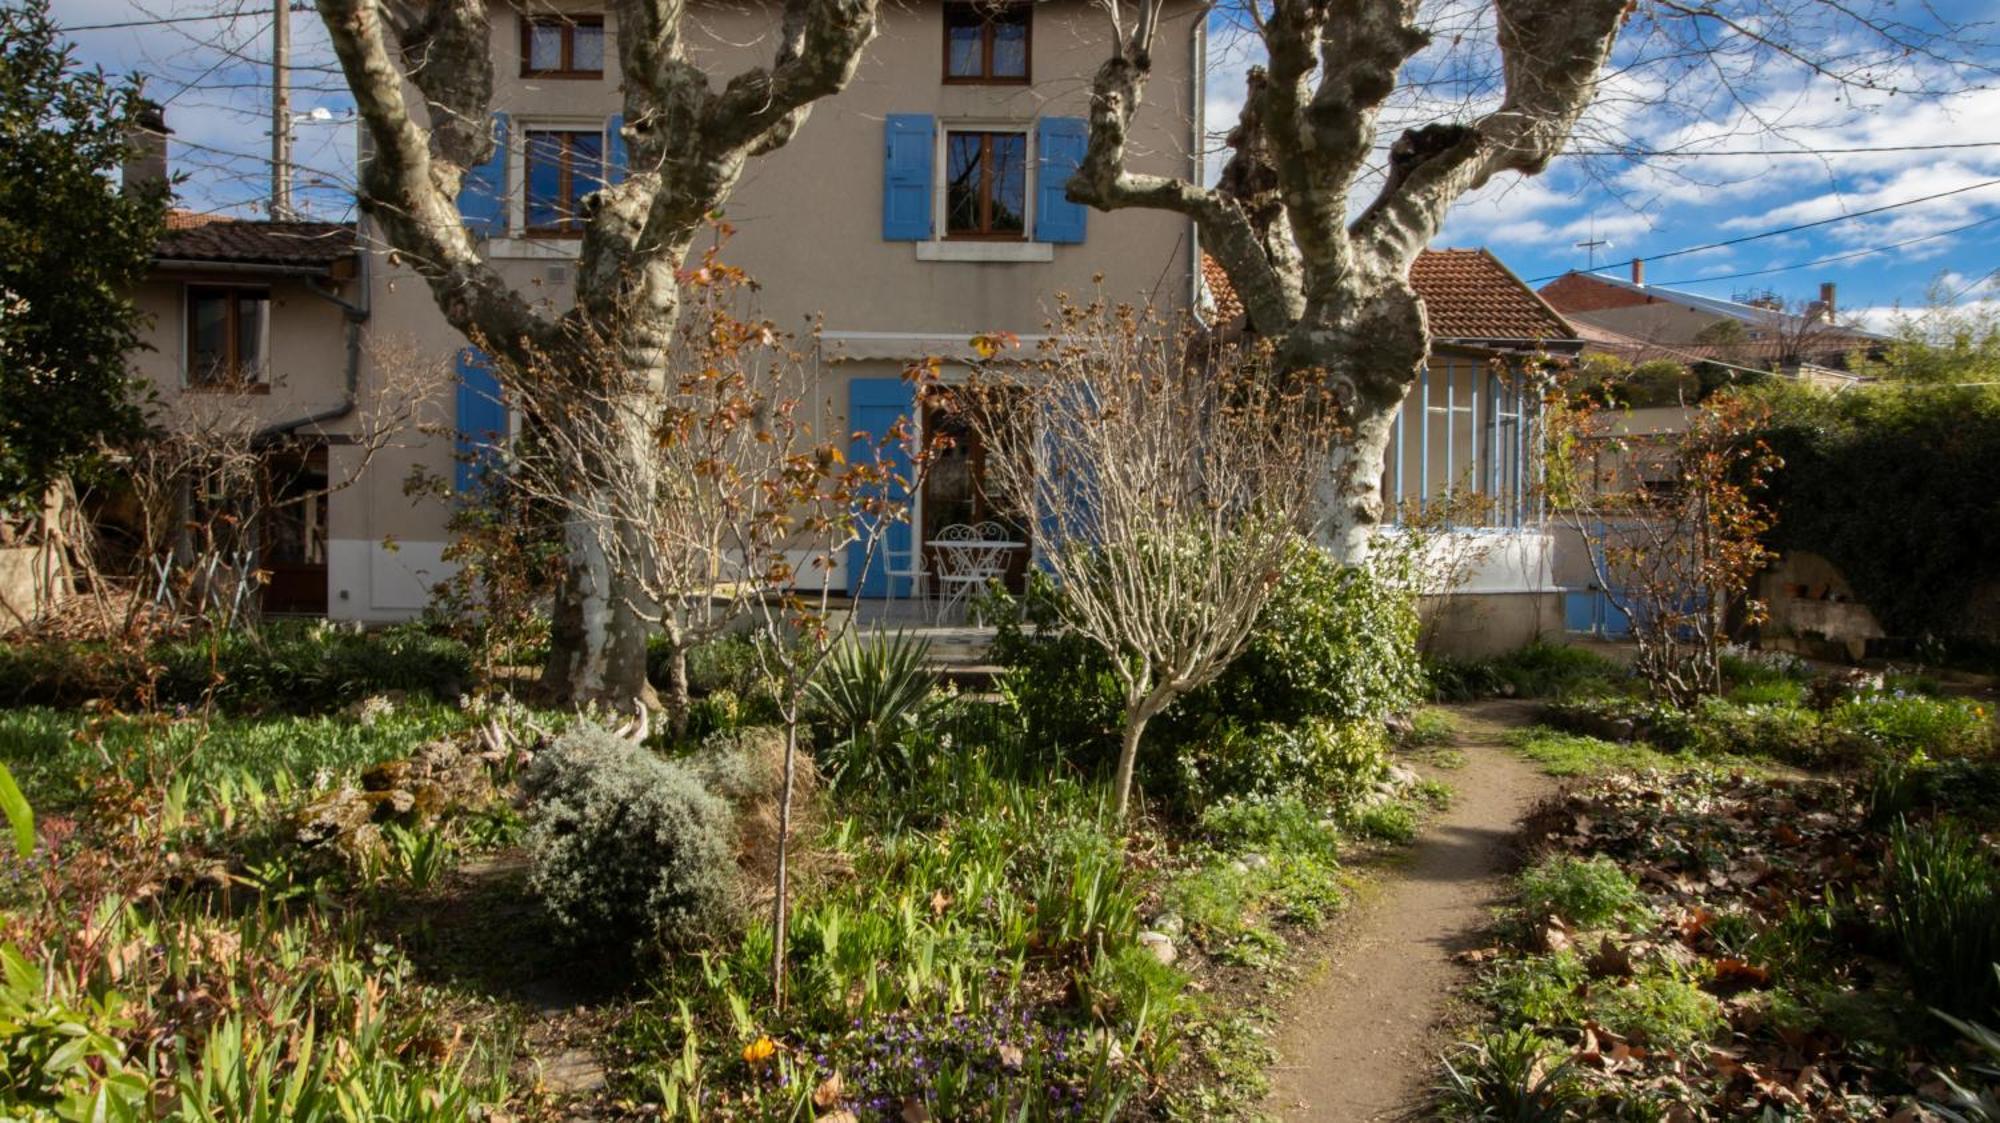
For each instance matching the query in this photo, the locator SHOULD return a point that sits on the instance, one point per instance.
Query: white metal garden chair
(969, 556)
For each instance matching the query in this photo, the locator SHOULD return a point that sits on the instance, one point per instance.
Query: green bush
(1588, 893)
(1512, 1076)
(1941, 898)
(1333, 651)
(1335, 642)
(1316, 759)
(628, 848)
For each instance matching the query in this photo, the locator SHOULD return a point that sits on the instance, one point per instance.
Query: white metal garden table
(969, 556)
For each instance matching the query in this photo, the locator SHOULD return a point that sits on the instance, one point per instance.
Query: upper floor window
(986, 184)
(561, 167)
(562, 46)
(986, 41)
(226, 337)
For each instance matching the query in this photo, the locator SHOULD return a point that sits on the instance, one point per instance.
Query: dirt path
(1358, 1042)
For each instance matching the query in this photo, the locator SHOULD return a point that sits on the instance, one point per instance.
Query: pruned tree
(687, 138)
(1318, 235)
(1169, 476)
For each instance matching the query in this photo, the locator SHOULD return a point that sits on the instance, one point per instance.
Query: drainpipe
(356, 316)
(1197, 100)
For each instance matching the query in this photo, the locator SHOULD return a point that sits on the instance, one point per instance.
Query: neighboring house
(1463, 452)
(259, 322)
(919, 207)
(1638, 322)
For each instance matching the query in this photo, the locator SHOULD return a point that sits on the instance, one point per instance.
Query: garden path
(1360, 1039)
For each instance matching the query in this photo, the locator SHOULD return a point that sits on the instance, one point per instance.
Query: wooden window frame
(571, 227)
(986, 233)
(568, 24)
(985, 76)
(234, 380)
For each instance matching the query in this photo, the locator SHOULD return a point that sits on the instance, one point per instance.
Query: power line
(1800, 226)
(159, 21)
(1837, 257)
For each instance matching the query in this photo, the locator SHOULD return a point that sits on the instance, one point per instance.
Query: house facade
(257, 338)
(1462, 463)
(919, 207)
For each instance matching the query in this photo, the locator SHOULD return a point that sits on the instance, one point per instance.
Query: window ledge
(548, 249)
(986, 251)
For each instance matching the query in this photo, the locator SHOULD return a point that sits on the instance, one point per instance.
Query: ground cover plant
(1720, 944)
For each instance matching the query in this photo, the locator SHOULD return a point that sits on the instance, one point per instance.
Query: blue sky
(1760, 154)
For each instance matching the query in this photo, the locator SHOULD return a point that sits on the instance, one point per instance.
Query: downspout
(356, 316)
(1197, 101)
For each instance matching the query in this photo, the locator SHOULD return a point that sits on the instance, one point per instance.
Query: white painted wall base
(1509, 561)
(373, 583)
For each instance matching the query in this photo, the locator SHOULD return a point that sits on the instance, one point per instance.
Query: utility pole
(281, 110)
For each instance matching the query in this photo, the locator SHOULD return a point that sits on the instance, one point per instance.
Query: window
(562, 166)
(986, 185)
(225, 339)
(562, 47)
(986, 42)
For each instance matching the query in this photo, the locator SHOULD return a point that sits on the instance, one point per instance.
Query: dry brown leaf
(1610, 959)
(828, 1092)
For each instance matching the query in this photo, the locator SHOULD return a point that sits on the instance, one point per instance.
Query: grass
(1587, 893)
(1571, 754)
(56, 755)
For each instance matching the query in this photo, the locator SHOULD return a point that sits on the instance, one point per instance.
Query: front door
(956, 488)
(292, 545)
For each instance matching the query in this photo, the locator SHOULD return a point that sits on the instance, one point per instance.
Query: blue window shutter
(910, 146)
(482, 194)
(481, 421)
(1065, 476)
(614, 149)
(1059, 148)
(874, 405)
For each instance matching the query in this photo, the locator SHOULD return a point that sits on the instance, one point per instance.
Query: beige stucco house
(919, 207)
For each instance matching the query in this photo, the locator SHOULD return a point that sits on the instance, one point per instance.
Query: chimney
(146, 159)
(1638, 270)
(1826, 305)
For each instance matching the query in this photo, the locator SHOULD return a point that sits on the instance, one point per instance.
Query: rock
(1256, 861)
(1160, 944)
(572, 1071)
(1398, 726)
(1402, 775)
(1169, 924)
(1239, 867)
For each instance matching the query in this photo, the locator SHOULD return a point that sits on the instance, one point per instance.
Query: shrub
(1336, 642)
(1586, 892)
(873, 695)
(1316, 759)
(1790, 733)
(1279, 826)
(1941, 898)
(627, 848)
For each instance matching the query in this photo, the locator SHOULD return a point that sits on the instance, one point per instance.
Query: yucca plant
(873, 694)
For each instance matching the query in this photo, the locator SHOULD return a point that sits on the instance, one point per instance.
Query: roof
(1693, 301)
(1468, 294)
(238, 241)
(1827, 351)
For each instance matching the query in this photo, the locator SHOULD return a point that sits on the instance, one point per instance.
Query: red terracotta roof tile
(1468, 294)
